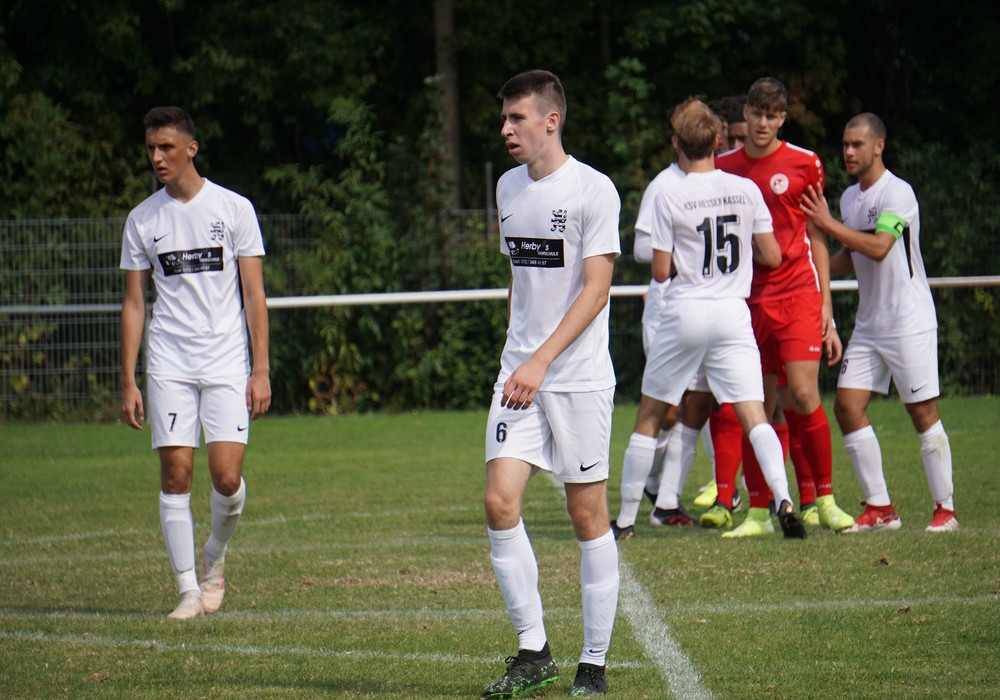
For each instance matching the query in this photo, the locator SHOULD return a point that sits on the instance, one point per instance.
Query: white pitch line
(683, 679)
(279, 519)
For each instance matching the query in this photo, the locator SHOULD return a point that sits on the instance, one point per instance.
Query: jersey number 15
(720, 246)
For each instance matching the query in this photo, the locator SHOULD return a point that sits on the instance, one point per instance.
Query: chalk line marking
(648, 627)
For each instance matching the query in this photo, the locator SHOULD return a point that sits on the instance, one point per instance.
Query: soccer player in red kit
(791, 308)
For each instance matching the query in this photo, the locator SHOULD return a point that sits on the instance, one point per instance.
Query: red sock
(803, 470)
(784, 437)
(814, 431)
(727, 437)
(760, 492)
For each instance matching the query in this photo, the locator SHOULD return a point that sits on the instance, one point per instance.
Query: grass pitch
(361, 570)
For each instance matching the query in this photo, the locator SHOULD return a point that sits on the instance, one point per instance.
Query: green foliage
(362, 358)
(637, 138)
(329, 108)
(960, 236)
(53, 168)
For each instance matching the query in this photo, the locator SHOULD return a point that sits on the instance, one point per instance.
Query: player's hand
(258, 395)
(520, 388)
(132, 410)
(831, 338)
(815, 207)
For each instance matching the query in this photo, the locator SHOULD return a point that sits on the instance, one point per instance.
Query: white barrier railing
(301, 302)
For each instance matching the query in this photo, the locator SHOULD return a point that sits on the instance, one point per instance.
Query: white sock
(767, 447)
(517, 573)
(689, 450)
(680, 459)
(226, 511)
(662, 442)
(599, 581)
(866, 457)
(178, 534)
(935, 450)
(638, 461)
(706, 442)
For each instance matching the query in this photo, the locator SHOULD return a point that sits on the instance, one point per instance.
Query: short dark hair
(871, 120)
(696, 128)
(160, 117)
(541, 83)
(730, 108)
(768, 94)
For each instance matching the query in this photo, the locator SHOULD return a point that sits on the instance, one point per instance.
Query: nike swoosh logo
(157, 240)
(583, 468)
(914, 390)
(240, 428)
(504, 218)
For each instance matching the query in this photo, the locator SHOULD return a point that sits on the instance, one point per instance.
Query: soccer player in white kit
(706, 231)
(204, 248)
(895, 333)
(554, 396)
(675, 444)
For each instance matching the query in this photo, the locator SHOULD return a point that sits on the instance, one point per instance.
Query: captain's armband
(891, 223)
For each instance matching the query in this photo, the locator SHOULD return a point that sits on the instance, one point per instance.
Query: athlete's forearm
(873, 245)
(821, 259)
(255, 302)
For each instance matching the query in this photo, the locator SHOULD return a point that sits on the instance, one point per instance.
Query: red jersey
(782, 178)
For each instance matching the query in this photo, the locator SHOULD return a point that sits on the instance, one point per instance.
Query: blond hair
(696, 128)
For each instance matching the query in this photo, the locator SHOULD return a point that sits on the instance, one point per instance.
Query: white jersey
(198, 328)
(707, 221)
(548, 227)
(642, 249)
(894, 297)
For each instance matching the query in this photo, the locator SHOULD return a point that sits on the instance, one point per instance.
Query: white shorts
(565, 433)
(652, 315)
(713, 335)
(179, 410)
(911, 361)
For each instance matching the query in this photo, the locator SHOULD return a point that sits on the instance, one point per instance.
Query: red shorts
(789, 329)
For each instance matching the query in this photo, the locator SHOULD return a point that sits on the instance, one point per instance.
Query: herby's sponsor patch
(536, 252)
(182, 262)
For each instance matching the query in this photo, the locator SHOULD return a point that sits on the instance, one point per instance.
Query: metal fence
(61, 291)
(60, 298)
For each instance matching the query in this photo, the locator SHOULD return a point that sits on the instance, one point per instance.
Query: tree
(447, 73)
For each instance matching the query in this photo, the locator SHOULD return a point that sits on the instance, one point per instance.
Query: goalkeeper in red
(895, 333)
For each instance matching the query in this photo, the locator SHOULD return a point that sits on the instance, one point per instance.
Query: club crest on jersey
(559, 218)
(779, 183)
(217, 231)
(872, 216)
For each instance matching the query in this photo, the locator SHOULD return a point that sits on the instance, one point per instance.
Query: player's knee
(923, 414)
(805, 399)
(849, 418)
(175, 482)
(502, 512)
(227, 484)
